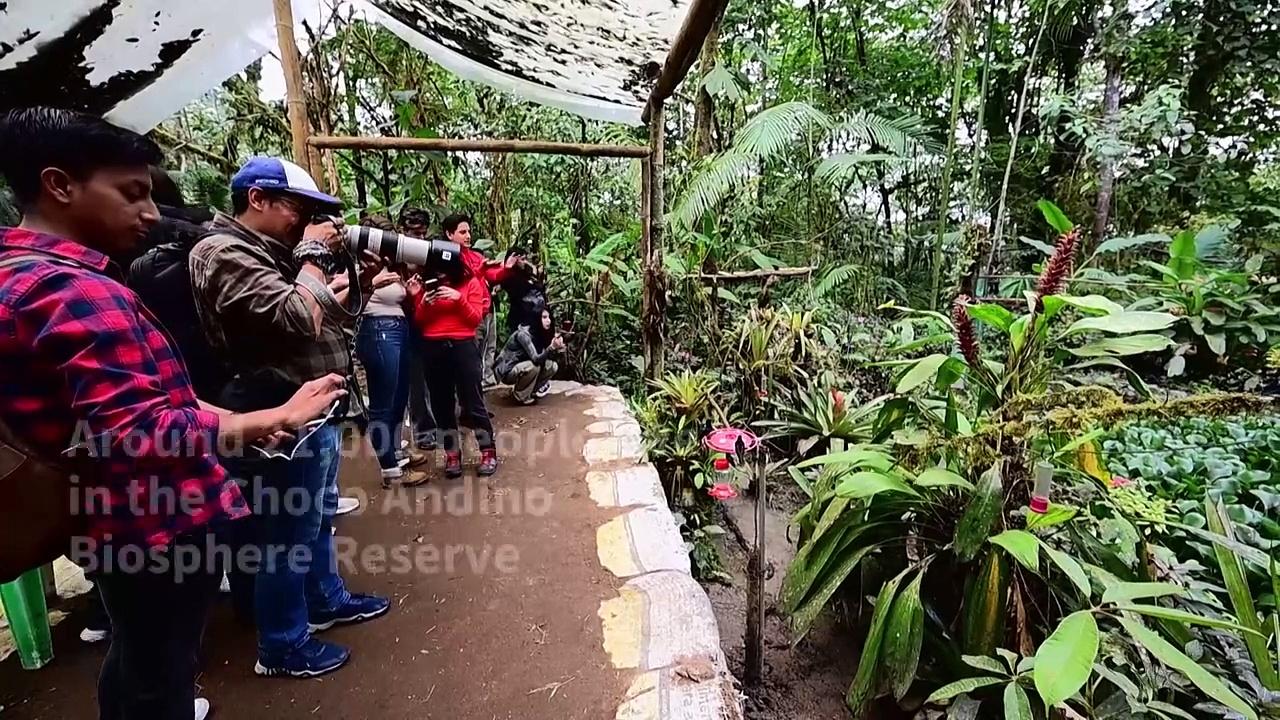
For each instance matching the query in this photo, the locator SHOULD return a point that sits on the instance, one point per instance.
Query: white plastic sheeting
(595, 58)
(137, 61)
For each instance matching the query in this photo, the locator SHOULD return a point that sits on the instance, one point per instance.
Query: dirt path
(503, 624)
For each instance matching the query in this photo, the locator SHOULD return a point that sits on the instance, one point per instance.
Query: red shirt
(82, 361)
(452, 319)
(476, 263)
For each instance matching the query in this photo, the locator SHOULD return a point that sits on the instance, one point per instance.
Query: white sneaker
(93, 636)
(347, 505)
(202, 708)
(225, 585)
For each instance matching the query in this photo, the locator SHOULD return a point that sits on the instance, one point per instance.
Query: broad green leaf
(1174, 658)
(1135, 380)
(1120, 346)
(1018, 332)
(1183, 256)
(982, 662)
(921, 373)
(1125, 243)
(1170, 709)
(1209, 240)
(904, 636)
(943, 694)
(1124, 323)
(867, 483)
(1022, 545)
(1065, 658)
(857, 457)
(1241, 596)
(986, 600)
(1125, 591)
(863, 687)
(1055, 515)
(1186, 617)
(993, 315)
(1040, 245)
(942, 477)
(984, 507)
(1093, 304)
(803, 618)
(1070, 568)
(1055, 217)
(1017, 706)
(1217, 342)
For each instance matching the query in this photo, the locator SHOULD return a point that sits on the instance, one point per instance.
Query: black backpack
(162, 279)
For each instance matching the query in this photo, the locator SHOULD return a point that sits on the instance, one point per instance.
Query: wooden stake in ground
(653, 305)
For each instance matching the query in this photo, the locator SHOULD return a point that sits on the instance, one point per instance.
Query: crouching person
(270, 302)
(81, 357)
(526, 363)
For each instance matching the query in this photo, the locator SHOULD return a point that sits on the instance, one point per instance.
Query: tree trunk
(654, 299)
(1107, 169)
(705, 108)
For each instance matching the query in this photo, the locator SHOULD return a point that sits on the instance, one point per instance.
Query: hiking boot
(357, 610)
(453, 465)
(313, 659)
(418, 458)
(201, 708)
(347, 505)
(488, 462)
(414, 478)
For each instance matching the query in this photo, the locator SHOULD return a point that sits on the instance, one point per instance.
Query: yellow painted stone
(603, 488)
(613, 546)
(622, 619)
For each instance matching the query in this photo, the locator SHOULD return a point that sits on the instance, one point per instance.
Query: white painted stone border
(661, 626)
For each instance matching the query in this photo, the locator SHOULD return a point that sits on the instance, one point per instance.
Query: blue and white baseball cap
(270, 173)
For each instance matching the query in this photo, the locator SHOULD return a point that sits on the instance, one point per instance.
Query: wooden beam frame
(351, 142)
(684, 50)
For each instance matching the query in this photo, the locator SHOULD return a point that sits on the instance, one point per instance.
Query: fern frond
(710, 185)
(777, 128)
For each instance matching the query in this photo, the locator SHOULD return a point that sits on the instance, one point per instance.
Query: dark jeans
(157, 622)
(424, 421)
(383, 349)
(298, 575)
(453, 378)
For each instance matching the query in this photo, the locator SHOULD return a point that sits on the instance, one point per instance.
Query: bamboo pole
(347, 142)
(748, 275)
(295, 98)
(654, 298)
(684, 50)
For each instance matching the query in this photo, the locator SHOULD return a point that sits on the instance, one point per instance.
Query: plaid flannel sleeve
(247, 294)
(114, 367)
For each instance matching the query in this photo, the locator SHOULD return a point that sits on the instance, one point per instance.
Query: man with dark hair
(81, 357)
(270, 302)
(416, 222)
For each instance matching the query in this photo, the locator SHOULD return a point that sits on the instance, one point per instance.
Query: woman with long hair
(526, 363)
(448, 307)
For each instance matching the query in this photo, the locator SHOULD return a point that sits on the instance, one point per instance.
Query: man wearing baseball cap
(268, 291)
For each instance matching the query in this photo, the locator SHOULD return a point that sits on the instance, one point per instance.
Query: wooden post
(295, 97)
(754, 637)
(654, 300)
(340, 142)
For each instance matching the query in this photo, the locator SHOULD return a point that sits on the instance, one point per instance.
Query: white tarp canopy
(140, 61)
(136, 61)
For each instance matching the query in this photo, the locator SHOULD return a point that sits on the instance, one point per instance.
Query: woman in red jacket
(446, 313)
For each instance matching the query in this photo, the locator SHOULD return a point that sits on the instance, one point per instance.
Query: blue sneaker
(358, 609)
(313, 659)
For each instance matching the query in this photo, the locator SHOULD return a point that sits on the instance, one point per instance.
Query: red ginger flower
(1053, 279)
(837, 401)
(966, 336)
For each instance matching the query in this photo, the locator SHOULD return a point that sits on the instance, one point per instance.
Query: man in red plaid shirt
(80, 357)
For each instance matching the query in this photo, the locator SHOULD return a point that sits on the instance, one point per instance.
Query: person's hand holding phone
(313, 400)
(444, 293)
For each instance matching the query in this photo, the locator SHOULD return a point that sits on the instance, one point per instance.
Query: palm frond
(903, 136)
(843, 167)
(835, 277)
(777, 128)
(710, 185)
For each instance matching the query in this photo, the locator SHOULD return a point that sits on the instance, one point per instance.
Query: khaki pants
(525, 379)
(487, 339)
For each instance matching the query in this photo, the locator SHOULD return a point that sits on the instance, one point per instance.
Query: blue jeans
(384, 351)
(298, 576)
